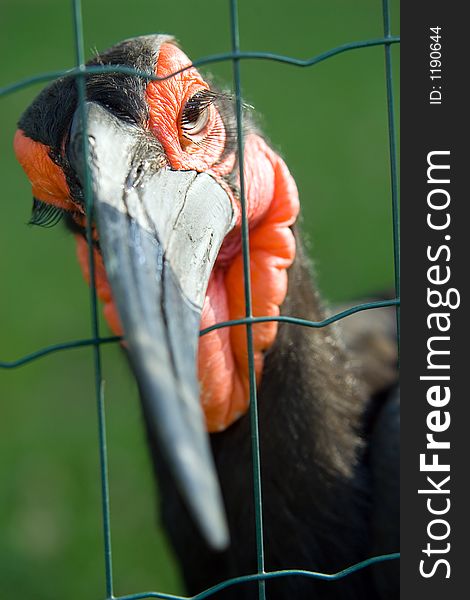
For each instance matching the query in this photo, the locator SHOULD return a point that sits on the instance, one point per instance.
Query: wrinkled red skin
(272, 207)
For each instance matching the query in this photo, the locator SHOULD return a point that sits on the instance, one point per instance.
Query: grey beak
(160, 232)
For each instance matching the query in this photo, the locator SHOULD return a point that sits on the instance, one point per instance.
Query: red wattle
(272, 207)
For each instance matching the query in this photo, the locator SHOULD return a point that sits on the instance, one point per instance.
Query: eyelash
(196, 105)
(45, 215)
(195, 108)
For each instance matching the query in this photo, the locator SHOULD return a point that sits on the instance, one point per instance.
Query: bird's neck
(310, 412)
(310, 403)
(308, 392)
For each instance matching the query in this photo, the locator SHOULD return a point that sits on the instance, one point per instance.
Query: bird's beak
(159, 233)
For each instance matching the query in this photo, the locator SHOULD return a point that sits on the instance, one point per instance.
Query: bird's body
(319, 409)
(163, 157)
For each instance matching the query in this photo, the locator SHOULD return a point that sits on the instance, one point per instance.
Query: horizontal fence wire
(80, 72)
(265, 576)
(213, 58)
(233, 323)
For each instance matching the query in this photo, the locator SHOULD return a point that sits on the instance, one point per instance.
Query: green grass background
(330, 124)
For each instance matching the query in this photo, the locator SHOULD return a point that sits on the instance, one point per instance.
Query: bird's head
(162, 156)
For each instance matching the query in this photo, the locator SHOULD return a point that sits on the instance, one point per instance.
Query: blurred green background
(330, 124)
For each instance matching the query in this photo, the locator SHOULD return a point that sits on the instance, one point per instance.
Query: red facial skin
(272, 207)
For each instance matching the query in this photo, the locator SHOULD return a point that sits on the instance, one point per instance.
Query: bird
(161, 150)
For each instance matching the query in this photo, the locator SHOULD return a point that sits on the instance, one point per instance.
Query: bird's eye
(195, 115)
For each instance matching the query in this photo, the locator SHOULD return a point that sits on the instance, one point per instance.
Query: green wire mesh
(235, 56)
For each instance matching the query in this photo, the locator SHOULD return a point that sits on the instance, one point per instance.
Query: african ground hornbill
(163, 160)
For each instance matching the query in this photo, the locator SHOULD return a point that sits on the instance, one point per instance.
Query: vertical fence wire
(235, 56)
(99, 383)
(254, 425)
(393, 157)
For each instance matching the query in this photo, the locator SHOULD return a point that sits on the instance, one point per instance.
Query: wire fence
(96, 340)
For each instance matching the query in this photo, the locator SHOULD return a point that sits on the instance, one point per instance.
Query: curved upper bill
(159, 234)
